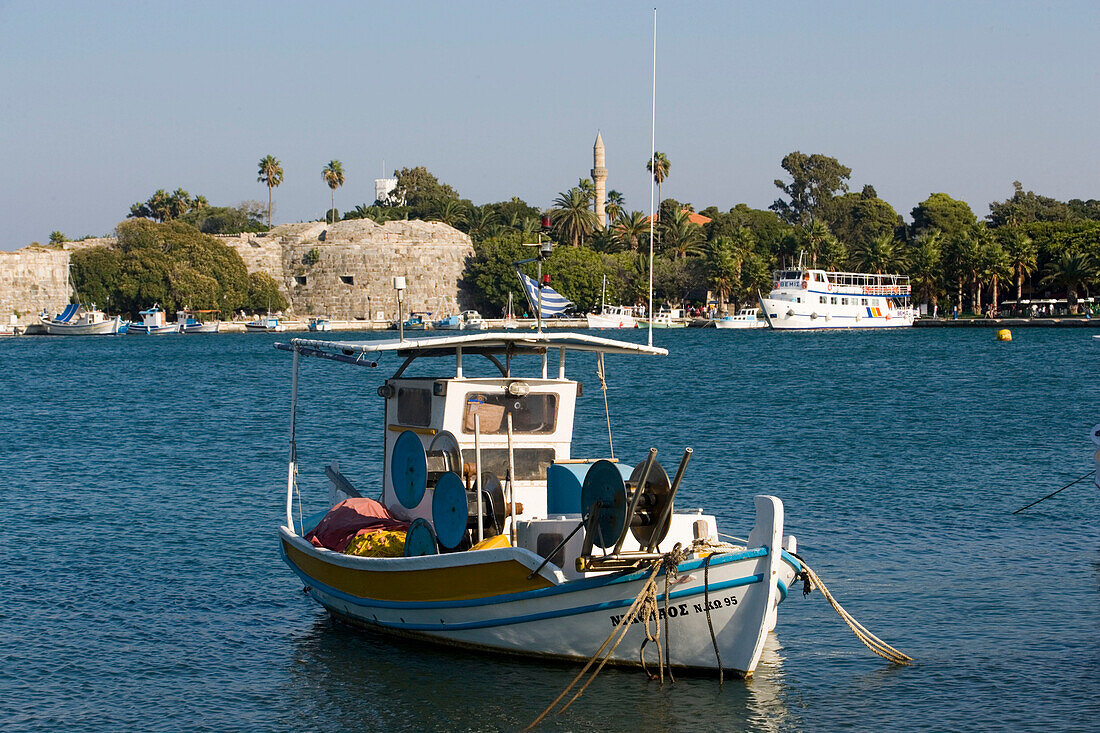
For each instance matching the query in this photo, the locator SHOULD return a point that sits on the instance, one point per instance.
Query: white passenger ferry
(805, 298)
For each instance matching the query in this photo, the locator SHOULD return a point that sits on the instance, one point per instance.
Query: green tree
(724, 256)
(1022, 254)
(629, 230)
(418, 188)
(588, 188)
(925, 268)
(940, 211)
(450, 212)
(245, 217)
(572, 220)
(57, 238)
(481, 221)
(333, 175)
(815, 180)
(614, 205)
(1070, 271)
(996, 266)
(658, 166)
(1025, 207)
(881, 254)
(856, 218)
(680, 236)
(271, 175)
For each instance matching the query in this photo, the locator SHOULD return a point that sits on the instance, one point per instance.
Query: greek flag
(553, 302)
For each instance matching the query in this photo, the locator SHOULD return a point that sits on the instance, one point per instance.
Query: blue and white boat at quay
(511, 543)
(745, 318)
(81, 320)
(198, 321)
(265, 324)
(153, 323)
(319, 324)
(805, 298)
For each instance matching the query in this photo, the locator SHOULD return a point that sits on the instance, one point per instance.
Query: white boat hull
(597, 320)
(103, 328)
(143, 330)
(202, 328)
(444, 598)
(787, 315)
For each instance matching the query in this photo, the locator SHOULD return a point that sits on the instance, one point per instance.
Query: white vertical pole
(477, 483)
(561, 363)
(544, 360)
(292, 463)
(511, 485)
(653, 158)
(458, 362)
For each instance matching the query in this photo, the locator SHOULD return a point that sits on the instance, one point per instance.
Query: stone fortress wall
(350, 278)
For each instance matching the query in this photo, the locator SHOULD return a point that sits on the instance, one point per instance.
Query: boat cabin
(481, 431)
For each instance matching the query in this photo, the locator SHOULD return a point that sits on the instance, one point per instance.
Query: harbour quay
(1064, 322)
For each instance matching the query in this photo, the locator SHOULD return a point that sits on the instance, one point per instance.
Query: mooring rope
(602, 374)
(872, 642)
(710, 624)
(1055, 493)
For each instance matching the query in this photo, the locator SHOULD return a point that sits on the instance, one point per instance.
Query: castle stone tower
(599, 177)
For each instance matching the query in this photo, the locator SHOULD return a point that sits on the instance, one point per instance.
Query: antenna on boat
(399, 286)
(653, 168)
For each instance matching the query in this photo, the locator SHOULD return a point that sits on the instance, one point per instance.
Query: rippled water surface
(143, 479)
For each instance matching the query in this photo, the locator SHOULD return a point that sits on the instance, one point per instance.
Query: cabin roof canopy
(484, 343)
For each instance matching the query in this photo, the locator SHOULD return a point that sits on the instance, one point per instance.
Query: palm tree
(630, 229)
(681, 235)
(924, 266)
(1070, 271)
(589, 188)
(816, 236)
(271, 175)
(1023, 254)
(982, 239)
(996, 265)
(450, 211)
(571, 217)
(333, 174)
(614, 205)
(481, 221)
(658, 165)
(879, 254)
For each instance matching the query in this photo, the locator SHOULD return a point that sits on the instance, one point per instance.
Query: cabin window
(414, 406)
(533, 413)
(818, 277)
(864, 301)
(844, 301)
(822, 298)
(300, 279)
(347, 279)
(832, 300)
(531, 463)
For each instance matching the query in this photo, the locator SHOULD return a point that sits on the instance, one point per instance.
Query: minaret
(599, 177)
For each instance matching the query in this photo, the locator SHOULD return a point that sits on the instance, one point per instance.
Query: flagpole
(653, 171)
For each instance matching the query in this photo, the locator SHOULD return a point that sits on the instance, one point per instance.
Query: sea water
(144, 478)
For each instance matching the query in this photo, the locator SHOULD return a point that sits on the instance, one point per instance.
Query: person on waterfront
(955, 312)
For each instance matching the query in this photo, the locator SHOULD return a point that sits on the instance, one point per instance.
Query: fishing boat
(745, 318)
(472, 321)
(489, 534)
(265, 324)
(667, 318)
(805, 298)
(417, 321)
(153, 323)
(319, 324)
(80, 320)
(192, 321)
(450, 323)
(611, 316)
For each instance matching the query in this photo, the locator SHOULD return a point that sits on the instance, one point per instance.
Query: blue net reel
(450, 510)
(603, 486)
(420, 539)
(409, 469)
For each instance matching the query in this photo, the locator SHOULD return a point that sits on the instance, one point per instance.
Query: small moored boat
(745, 318)
(450, 323)
(195, 321)
(488, 533)
(81, 320)
(417, 322)
(267, 324)
(153, 323)
(319, 324)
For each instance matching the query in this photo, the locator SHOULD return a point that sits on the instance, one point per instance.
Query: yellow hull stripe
(457, 583)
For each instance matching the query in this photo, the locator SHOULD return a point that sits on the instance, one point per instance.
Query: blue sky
(104, 102)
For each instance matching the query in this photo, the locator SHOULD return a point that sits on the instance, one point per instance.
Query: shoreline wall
(343, 271)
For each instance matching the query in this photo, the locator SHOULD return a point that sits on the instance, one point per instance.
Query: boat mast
(653, 169)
